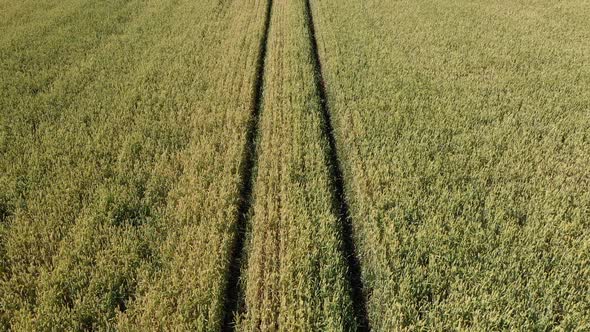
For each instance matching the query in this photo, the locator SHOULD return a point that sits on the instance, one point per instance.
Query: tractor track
(339, 197)
(232, 291)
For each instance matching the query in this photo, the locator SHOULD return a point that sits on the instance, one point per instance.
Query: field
(294, 165)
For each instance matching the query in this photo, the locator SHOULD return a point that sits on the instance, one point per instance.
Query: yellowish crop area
(294, 165)
(296, 275)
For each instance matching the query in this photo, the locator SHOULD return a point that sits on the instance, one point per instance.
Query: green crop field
(294, 165)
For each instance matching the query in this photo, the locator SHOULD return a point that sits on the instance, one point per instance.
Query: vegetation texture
(464, 130)
(295, 275)
(122, 131)
(294, 165)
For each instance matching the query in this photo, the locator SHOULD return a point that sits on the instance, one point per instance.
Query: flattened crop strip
(245, 197)
(339, 198)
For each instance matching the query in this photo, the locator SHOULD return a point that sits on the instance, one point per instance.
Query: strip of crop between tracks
(232, 291)
(339, 198)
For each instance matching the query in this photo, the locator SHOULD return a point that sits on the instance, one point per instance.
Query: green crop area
(294, 165)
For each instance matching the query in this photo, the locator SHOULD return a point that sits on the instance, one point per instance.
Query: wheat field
(294, 165)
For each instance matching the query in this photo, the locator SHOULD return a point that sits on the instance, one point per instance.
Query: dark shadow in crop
(232, 290)
(340, 204)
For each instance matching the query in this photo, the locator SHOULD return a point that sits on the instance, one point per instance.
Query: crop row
(294, 276)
